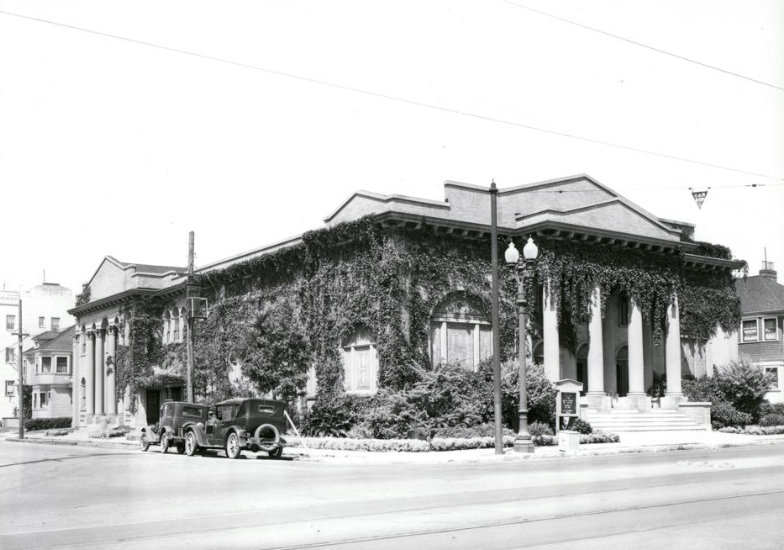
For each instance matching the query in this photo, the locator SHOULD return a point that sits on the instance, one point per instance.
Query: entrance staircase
(655, 420)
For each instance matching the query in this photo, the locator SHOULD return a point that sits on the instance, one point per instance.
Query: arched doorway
(622, 371)
(460, 332)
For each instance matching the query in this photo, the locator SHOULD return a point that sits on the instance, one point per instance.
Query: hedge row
(754, 430)
(47, 423)
(436, 444)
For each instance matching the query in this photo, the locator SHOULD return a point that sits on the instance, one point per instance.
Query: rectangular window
(750, 331)
(35, 400)
(43, 400)
(773, 377)
(46, 364)
(55, 324)
(770, 329)
(10, 322)
(9, 387)
(62, 365)
(10, 355)
(41, 322)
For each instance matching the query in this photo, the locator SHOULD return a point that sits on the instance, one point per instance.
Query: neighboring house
(761, 336)
(45, 308)
(49, 373)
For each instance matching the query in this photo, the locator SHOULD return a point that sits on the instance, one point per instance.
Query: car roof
(238, 400)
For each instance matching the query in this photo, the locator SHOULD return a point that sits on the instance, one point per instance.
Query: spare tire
(268, 431)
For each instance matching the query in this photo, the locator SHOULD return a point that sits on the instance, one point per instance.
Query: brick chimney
(767, 270)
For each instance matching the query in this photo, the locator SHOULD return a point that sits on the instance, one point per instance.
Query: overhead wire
(387, 96)
(642, 45)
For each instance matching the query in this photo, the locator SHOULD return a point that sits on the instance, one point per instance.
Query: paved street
(62, 496)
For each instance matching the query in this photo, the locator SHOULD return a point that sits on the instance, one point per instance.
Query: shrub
(723, 414)
(703, 389)
(538, 430)
(599, 437)
(486, 429)
(580, 426)
(333, 415)
(754, 430)
(745, 386)
(47, 423)
(772, 420)
(771, 408)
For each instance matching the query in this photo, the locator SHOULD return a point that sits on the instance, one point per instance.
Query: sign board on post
(567, 403)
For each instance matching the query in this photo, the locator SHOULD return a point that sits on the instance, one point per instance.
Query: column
(89, 373)
(76, 379)
(551, 344)
(595, 347)
(444, 343)
(636, 360)
(672, 351)
(111, 350)
(99, 371)
(477, 355)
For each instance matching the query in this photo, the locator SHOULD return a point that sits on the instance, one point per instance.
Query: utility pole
(189, 318)
(499, 434)
(21, 373)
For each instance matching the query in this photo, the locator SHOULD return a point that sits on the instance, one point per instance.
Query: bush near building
(47, 423)
(445, 400)
(736, 393)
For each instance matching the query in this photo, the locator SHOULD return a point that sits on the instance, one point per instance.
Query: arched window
(166, 327)
(175, 321)
(460, 332)
(361, 362)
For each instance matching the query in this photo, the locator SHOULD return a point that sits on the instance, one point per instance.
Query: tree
(275, 352)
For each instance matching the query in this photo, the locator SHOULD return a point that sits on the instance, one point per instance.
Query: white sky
(111, 147)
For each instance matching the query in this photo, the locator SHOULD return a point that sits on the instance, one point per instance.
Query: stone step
(636, 421)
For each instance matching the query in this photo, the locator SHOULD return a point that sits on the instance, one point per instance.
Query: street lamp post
(525, 269)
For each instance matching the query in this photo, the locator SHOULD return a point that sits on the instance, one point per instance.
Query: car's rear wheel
(145, 443)
(164, 442)
(190, 443)
(277, 453)
(270, 435)
(233, 445)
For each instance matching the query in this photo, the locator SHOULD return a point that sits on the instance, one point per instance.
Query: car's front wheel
(145, 443)
(190, 443)
(233, 446)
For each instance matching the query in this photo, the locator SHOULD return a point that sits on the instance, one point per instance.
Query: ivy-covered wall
(388, 281)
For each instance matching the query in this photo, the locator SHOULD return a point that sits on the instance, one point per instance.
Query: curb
(329, 455)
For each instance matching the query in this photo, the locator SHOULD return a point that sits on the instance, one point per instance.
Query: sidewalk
(631, 442)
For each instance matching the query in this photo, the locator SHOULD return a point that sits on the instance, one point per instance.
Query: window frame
(10, 322)
(774, 386)
(67, 369)
(42, 322)
(743, 338)
(12, 351)
(54, 323)
(43, 365)
(10, 385)
(775, 326)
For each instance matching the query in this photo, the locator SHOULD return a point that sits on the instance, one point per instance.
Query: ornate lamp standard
(525, 268)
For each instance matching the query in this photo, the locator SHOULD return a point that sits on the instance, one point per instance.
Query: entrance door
(622, 372)
(153, 407)
(460, 342)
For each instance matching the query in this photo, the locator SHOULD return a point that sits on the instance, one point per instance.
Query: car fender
(152, 437)
(198, 431)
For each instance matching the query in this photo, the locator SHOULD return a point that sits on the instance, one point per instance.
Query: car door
(225, 422)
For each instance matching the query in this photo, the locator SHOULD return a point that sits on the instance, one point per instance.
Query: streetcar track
(408, 534)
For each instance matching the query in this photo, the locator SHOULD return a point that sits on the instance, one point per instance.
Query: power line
(640, 44)
(388, 97)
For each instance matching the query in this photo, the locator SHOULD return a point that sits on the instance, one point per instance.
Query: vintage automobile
(176, 416)
(239, 424)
